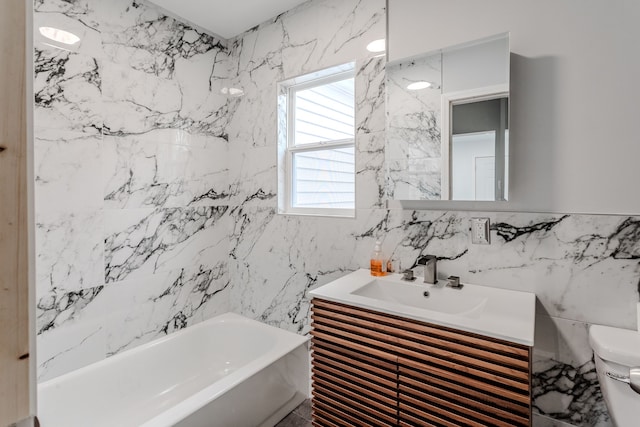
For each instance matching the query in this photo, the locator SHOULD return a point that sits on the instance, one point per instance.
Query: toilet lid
(616, 345)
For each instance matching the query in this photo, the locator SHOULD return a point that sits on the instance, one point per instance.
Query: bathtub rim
(289, 341)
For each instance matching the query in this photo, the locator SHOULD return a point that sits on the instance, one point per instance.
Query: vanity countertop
(493, 312)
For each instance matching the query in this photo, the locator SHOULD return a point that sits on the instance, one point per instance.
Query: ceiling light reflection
(58, 35)
(419, 85)
(377, 46)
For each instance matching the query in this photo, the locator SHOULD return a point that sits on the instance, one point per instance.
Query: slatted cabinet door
(354, 376)
(374, 369)
(453, 378)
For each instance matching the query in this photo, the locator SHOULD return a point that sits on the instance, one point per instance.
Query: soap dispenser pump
(377, 260)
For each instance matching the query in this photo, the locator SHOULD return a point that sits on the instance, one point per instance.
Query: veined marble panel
(150, 170)
(570, 261)
(136, 103)
(143, 38)
(67, 173)
(565, 384)
(370, 95)
(69, 251)
(58, 306)
(65, 349)
(253, 179)
(73, 17)
(566, 390)
(254, 119)
(68, 97)
(143, 242)
(161, 304)
(370, 179)
(344, 29)
(277, 259)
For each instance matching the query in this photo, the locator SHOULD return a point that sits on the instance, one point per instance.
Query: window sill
(344, 213)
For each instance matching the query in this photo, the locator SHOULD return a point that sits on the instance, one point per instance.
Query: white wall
(574, 88)
(476, 66)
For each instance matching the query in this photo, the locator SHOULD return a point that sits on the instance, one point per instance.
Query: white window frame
(286, 140)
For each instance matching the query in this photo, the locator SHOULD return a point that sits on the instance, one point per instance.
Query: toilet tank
(616, 351)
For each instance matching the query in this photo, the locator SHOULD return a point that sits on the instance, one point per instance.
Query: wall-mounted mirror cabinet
(447, 123)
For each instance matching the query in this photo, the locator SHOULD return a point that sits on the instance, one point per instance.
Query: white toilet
(616, 352)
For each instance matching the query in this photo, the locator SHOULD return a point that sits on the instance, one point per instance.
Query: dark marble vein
(163, 230)
(511, 232)
(57, 304)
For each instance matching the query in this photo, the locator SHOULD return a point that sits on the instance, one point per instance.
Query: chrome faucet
(430, 269)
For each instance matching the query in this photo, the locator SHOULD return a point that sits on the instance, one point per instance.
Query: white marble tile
(67, 174)
(565, 384)
(202, 79)
(543, 421)
(254, 119)
(140, 36)
(370, 171)
(71, 19)
(68, 348)
(569, 393)
(569, 261)
(276, 259)
(325, 33)
(252, 176)
(149, 170)
(161, 240)
(562, 340)
(69, 251)
(141, 310)
(67, 89)
(370, 95)
(57, 307)
(136, 102)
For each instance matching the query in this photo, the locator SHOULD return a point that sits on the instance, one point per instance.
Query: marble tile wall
(157, 197)
(131, 179)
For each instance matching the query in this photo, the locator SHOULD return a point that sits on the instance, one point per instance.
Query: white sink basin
(485, 310)
(437, 298)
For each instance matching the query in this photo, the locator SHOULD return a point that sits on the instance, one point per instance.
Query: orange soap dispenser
(377, 260)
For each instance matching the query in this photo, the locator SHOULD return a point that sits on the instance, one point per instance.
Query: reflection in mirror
(447, 131)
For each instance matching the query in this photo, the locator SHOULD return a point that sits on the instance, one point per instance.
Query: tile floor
(299, 417)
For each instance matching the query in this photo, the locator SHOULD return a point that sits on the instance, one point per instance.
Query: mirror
(447, 123)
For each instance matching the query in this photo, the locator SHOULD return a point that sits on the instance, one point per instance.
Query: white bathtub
(226, 371)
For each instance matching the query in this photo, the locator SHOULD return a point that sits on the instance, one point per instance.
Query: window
(316, 149)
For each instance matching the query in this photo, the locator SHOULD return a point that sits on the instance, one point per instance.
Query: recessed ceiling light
(377, 46)
(419, 85)
(58, 35)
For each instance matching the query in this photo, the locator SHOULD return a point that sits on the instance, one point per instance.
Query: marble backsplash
(156, 198)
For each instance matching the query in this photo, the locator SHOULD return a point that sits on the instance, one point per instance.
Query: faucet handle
(454, 282)
(408, 275)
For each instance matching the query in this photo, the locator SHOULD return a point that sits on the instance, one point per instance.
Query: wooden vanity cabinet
(374, 369)
(354, 375)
